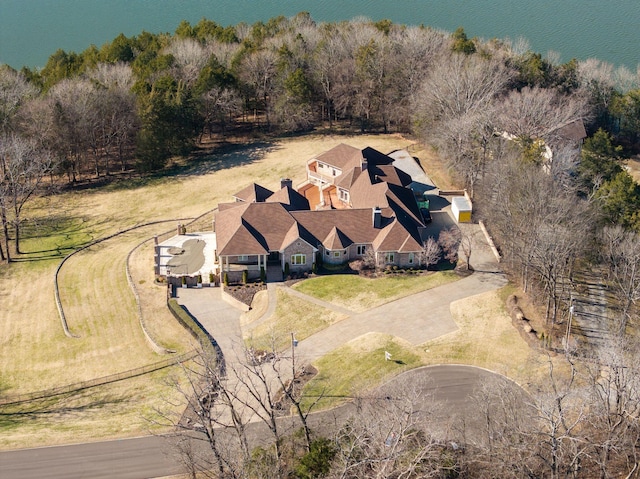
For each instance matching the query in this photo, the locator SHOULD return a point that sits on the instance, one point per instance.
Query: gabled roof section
(365, 194)
(573, 131)
(290, 198)
(342, 156)
(254, 193)
(390, 174)
(243, 241)
(395, 237)
(403, 202)
(374, 157)
(336, 239)
(347, 179)
(268, 224)
(354, 225)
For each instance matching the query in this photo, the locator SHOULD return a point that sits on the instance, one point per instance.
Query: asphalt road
(143, 457)
(150, 457)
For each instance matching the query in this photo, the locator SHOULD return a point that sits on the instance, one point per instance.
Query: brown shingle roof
(289, 197)
(253, 193)
(336, 239)
(356, 225)
(346, 180)
(573, 131)
(268, 223)
(395, 237)
(342, 156)
(390, 174)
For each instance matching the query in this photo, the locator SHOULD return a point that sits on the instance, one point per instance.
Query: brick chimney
(286, 182)
(377, 217)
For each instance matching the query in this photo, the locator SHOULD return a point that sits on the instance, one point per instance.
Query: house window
(333, 172)
(327, 252)
(243, 257)
(336, 254)
(389, 257)
(410, 258)
(298, 259)
(344, 195)
(361, 249)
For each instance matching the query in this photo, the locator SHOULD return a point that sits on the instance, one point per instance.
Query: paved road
(138, 458)
(416, 318)
(451, 386)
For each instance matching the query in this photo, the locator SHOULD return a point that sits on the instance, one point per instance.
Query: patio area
(189, 254)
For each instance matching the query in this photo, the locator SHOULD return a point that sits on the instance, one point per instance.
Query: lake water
(31, 30)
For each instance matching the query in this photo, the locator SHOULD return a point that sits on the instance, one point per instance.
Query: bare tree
(468, 238)
(23, 165)
(454, 110)
(542, 435)
(449, 241)
(614, 405)
(430, 253)
(621, 255)
(258, 72)
(539, 113)
(390, 436)
(14, 91)
(190, 58)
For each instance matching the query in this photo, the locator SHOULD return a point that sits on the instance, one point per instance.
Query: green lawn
(292, 315)
(360, 294)
(358, 366)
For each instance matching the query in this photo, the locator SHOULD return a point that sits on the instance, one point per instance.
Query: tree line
(493, 109)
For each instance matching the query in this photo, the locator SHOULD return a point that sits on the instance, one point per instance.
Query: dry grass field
(34, 352)
(484, 338)
(633, 167)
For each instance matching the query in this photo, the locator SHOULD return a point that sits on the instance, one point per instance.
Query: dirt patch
(245, 292)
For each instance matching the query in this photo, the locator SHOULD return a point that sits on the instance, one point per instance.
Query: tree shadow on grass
(51, 237)
(204, 162)
(63, 407)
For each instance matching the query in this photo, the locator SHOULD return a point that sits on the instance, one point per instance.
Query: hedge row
(194, 327)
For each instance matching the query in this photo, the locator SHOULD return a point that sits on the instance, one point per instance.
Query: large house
(354, 202)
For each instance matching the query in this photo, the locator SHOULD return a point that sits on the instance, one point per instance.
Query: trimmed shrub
(211, 278)
(286, 269)
(226, 280)
(245, 276)
(263, 274)
(192, 326)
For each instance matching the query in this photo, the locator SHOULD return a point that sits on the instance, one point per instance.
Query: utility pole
(568, 334)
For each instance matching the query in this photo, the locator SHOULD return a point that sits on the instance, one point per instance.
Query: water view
(31, 30)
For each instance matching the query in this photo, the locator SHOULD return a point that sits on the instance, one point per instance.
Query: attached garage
(461, 209)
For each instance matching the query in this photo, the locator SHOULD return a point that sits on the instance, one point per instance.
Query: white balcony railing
(316, 178)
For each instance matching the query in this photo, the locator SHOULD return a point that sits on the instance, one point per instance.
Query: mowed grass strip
(292, 314)
(487, 338)
(357, 367)
(360, 294)
(127, 408)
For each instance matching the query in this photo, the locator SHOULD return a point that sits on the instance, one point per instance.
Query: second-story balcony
(319, 178)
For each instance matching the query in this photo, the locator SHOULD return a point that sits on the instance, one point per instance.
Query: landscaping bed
(245, 292)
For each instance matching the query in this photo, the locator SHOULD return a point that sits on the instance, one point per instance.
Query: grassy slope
(485, 338)
(274, 334)
(359, 294)
(35, 354)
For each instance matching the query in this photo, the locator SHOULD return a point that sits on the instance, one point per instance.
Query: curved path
(451, 386)
(416, 318)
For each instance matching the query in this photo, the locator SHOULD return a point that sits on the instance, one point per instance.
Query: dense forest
(496, 112)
